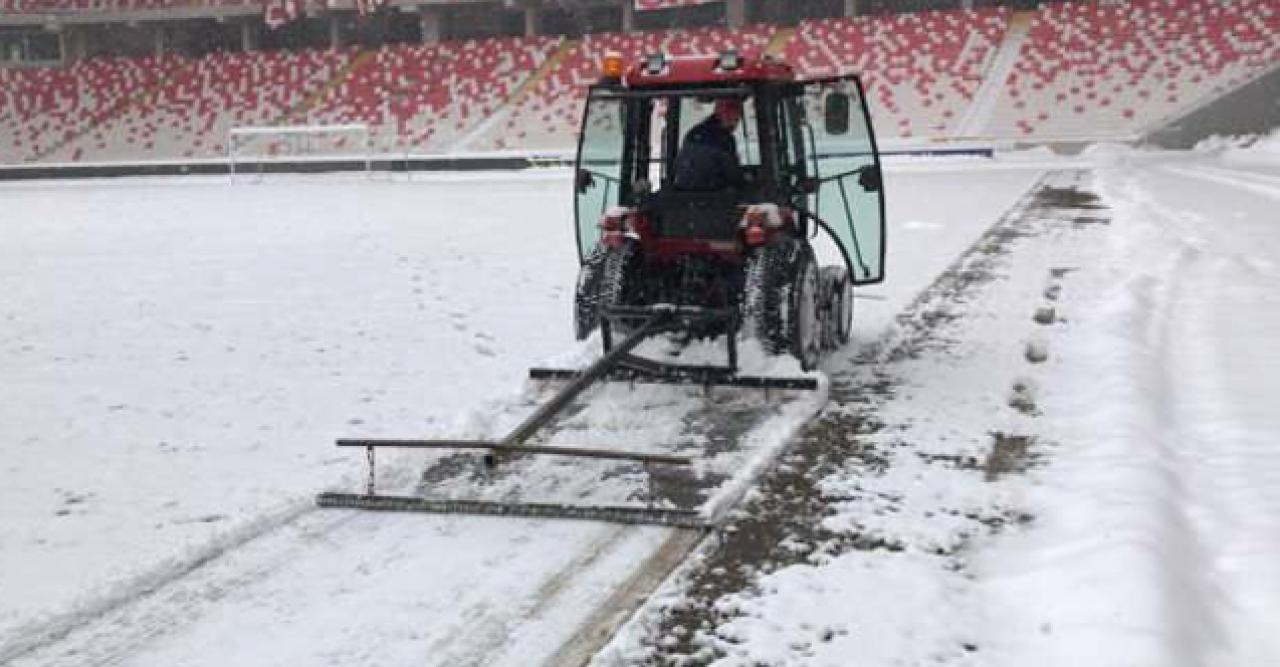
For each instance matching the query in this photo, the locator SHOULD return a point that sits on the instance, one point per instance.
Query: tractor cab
(692, 170)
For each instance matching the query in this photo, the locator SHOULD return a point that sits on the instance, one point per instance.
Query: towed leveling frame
(617, 364)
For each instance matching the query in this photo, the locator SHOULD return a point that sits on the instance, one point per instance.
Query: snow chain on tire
(770, 303)
(601, 282)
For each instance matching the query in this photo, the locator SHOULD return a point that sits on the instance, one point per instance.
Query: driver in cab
(708, 157)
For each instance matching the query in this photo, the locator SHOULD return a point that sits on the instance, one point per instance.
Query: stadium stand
(48, 108)
(188, 113)
(1095, 71)
(645, 5)
(425, 98)
(922, 69)
(108, 6)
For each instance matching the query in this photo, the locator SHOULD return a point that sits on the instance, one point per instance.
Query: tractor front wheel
(602, 282)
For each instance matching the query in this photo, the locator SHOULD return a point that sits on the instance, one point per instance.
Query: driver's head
(729, 111)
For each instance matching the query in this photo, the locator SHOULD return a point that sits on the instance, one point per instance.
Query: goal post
(299, 142)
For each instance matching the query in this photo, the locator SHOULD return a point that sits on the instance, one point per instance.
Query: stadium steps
(778, 43)
(299, 113)
(119, 110)
(518, 96)
(978, 117)
(1207, 98)
(1227, 113)
(544, 70)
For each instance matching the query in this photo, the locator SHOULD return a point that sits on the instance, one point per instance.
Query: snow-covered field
(1158, 539)
(179, 355)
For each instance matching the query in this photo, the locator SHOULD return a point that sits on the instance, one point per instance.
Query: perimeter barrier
(357, 163)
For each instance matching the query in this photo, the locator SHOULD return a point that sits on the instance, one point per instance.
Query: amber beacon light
(611, 68)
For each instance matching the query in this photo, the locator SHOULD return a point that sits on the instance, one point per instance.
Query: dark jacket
(708, 158)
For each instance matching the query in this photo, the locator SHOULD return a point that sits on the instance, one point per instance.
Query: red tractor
(738, 258)
(669, 245)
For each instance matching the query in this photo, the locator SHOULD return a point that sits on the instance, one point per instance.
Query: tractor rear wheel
(602, 282)
(780, 301)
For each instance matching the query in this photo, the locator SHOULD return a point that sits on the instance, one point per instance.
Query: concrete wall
(251, 168)
(1251, 109)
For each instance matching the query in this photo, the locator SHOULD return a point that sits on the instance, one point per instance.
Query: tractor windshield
(844, 158)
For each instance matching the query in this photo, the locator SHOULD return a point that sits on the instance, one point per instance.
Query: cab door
(613, 151)
(842, 171)
(598, 174)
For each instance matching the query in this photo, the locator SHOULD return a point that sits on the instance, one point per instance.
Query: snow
(180, 354)
(1159, 518)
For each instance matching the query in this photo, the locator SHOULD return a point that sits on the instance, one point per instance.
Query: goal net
(258, 145)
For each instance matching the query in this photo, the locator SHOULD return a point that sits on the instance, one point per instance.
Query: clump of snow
(1034, 154)
(1219, 143)
(1257, 151)
(920, 224)
(1104, 153)
(1268, 144)
(1037, 350)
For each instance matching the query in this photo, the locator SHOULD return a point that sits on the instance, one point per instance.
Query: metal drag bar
(657, 320)
(516, 449)
(632, 368)
(714, 374)
(674, 374)
(616, 514)
(595, 371)
(688, 315)
(645, 312)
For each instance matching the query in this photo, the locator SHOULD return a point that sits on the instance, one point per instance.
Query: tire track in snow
(164, 586)
(615, 610)
(48, 632)
(1267, 186)
(335, 553)
(479, 646)
(1222, 500)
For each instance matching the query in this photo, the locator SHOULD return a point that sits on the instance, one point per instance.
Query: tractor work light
(757, 220)
(654, 63)
(613, 221)
(729, 61)
(616, 227)
(762, 215)
(611, 68)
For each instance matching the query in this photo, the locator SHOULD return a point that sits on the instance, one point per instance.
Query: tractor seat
(684, 214)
